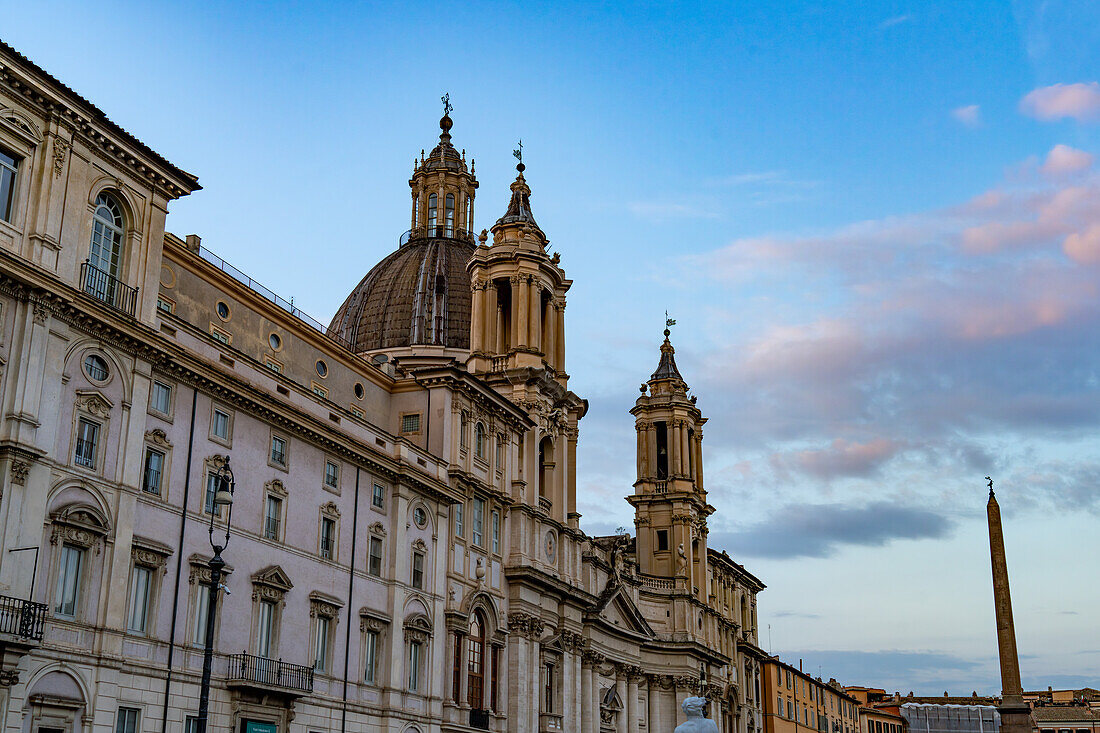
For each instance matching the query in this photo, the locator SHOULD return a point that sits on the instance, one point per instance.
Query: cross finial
(990, 485)
(518, 152)
(446, 100)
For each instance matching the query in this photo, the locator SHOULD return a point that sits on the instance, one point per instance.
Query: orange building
(795, 702)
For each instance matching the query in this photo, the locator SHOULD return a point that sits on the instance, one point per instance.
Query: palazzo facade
(405, 552)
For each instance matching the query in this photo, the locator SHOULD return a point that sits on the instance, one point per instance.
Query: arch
(76, 351)
(475, 660)
(67, 497)
(24, 123)
(416, 609)
(479, 440)
(59, 680)
(479, 600)
(115, 187)
(546, 466)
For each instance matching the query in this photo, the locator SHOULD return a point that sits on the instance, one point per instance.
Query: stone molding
(525, 625)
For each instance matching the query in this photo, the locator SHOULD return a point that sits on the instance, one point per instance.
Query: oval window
(358, 391)
(420, 517)
(96, 368)
(275, 341)
(322, 368)
(223, 310)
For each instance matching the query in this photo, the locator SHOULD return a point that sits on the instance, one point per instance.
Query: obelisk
(1015, 713)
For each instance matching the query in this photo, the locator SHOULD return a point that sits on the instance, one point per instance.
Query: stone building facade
(406, 553)
(796, 702)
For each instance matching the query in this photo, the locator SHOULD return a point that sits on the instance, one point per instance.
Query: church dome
(419, 294)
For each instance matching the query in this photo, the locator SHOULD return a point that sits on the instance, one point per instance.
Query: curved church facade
(405, 553)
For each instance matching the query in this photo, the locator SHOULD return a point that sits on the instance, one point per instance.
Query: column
(518, 694)
(477, 315)
(547, 319)
(640, 429)
(632, 702)
(534, 296)
(500, 337)
(519, 312)
(579, 693)
(559, 359)
(622, 723)
(536, 676)
(652, 692)
(685, 462)
(523, 337)
(698, 448)
(588, 716)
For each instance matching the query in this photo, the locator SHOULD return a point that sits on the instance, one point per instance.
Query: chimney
(193, 241)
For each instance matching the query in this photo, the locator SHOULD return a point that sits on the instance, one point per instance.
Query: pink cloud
(1080, 101)
(840, 458)
(970, 115)
(1062, 160)
(1084, 247)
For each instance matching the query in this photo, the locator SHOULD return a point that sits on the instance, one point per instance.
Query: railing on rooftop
(436, 231)
(22, 618)
(270, 672)
(259, 289)
(103, 286)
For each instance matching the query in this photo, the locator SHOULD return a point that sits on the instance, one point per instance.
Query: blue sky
(877, 225)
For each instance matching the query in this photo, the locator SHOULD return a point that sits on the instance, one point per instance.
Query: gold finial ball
(445, 123)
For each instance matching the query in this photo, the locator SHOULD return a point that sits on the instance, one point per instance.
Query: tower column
(631, 702)
(640, 430)
(651, 450)
(477, 316)
(550, 345)
(517, 310)
(685, 460)
(535, 309)
(586, 697)
(559, 361)
(620, 687)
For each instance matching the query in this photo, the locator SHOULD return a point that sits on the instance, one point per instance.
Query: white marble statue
(693, 708)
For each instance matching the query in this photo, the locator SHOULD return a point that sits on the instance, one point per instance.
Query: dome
(419, 294)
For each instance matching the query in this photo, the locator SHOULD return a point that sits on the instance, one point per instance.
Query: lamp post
(223, 497)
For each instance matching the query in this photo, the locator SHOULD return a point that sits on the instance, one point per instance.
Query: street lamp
(223, 496)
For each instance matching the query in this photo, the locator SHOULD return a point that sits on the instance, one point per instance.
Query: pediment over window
(418, 628)
(79, 525)
(275, 486)
(371, 620)
(93, 402)
(330, 509)
(377, 528)
(150, 553)
(610, 700)
(270, 584)
(158, 437)
(615, 611)
(200, 569)
(322, 604)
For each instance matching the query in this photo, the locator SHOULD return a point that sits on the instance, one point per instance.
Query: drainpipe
(179, 562)
(351, 582)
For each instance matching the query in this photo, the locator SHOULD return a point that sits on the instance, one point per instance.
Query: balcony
(247, 671)
(21, 622)
(436, 231)
(101, 285)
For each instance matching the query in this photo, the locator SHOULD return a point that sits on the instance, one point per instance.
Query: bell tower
(443, 190)
(670, 505)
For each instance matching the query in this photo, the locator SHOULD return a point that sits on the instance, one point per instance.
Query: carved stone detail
(526, 625)
(40, 313)
(93, 403)
(19, 470)
(159, 437)
(60, 150)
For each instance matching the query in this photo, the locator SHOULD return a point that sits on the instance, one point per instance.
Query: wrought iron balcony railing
(436, 231)
(250, 669)
(22, 618)
(101, 285)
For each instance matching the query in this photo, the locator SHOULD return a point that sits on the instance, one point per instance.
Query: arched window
(475, 662)
(479, 441)
(433, 214)
(106, 249)
(416, 210)
(449, 214)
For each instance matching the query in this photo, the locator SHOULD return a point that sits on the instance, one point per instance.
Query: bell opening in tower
(662, 451)
(449, 214)
(546, 466)
(504, 316)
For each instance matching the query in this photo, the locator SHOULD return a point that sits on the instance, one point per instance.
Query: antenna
(770, 647)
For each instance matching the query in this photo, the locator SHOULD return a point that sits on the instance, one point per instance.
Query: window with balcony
(321, 643)
(105, 251)
(273, 516)
(370, 656)
(475, 662)
(374, 557)
(265, 629)
(415, 654)
(87, 439)
(154, 470)
(9, 170)
(328, 538)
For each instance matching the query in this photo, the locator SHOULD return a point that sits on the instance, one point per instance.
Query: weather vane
(518, 152)
(669, 321)
(446, 100)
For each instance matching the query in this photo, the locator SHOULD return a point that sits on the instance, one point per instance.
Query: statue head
(693, 706)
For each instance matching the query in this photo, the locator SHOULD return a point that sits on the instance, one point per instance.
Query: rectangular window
(278, 450)
(495, 529)
(500, 452)
(548, 694)
(370, 656)
(478, 523)
(67, 594)
(154, 469)
(265, 629)
(332, 475)
(318, 389)
(211, 490)
(161, 398)
(220, 335)
(140, 578)
(790, 713)
(273, 365)
(328, 538)
(662, 540)
(320, 645)
(202, 608)
(410, 423)
(459, 524)
(191, 724)
(418, 570)
(414, 666)
(127, 721)
(779, 698)
(464, 430)
(87, 436)
(220, 426)
(9, 166)
(356, 412)
(273, 512)
(378, 499)
(374, 558)
(165, 305)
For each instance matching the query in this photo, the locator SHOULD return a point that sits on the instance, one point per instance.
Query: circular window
(223, 310)
(358, 391)
(551, 546)
(95, 367)
(275, 341)
(322, 368)
(420, 517)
